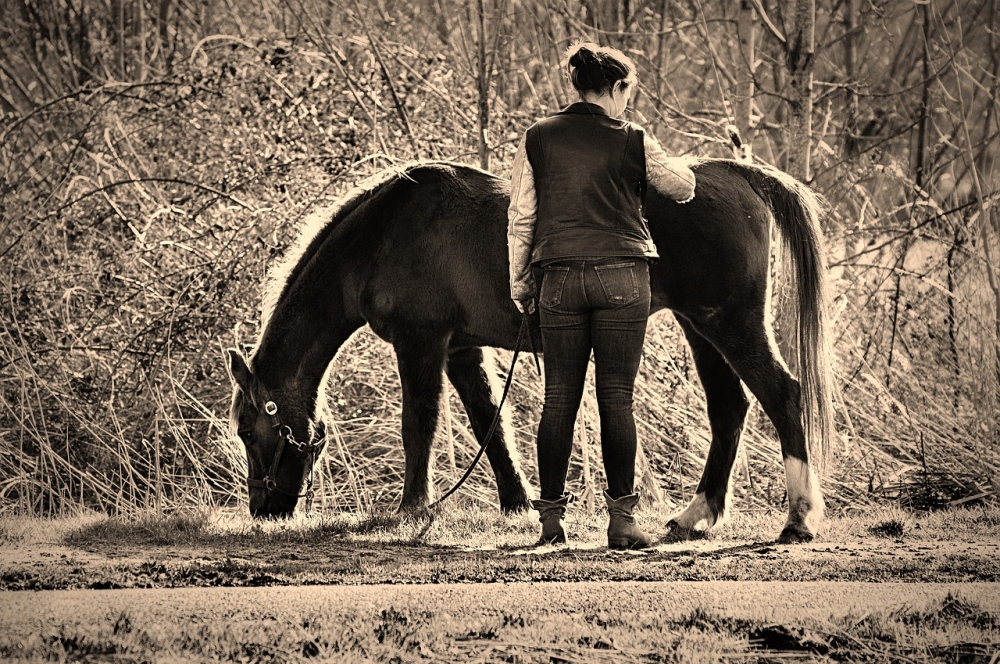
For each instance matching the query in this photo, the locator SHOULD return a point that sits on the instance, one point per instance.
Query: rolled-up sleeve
(671, 176)
(521, 217)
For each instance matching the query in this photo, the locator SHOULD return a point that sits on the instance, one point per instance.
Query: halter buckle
(271, 408)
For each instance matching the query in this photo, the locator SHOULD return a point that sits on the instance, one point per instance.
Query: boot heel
(550, 515)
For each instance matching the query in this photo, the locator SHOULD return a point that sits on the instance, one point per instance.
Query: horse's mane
(318, 225)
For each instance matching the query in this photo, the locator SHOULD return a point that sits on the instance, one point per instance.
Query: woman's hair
(594, 68)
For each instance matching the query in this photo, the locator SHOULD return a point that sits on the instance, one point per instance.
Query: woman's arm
(669, 175)
(521, 217)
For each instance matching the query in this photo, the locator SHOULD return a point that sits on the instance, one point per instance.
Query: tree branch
(771, 27)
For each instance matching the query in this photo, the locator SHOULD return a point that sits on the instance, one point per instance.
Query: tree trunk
(119, 6)
(799, 60)
(921, 147)
(851, 15)
(661, 54)
(483, 83)
(743, 104)
(140, 33)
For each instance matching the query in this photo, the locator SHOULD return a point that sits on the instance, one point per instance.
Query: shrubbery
(139, 218)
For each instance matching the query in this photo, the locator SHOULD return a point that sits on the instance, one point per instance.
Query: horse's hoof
(515, 507)
(678, 533)
(795, 534)
(413, 511)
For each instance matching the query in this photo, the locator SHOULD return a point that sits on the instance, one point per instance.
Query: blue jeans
(600, 305)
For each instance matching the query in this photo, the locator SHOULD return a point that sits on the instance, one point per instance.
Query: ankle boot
(622, 531)
(550, 514)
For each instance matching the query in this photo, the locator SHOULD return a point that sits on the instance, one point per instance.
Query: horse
(420, 255)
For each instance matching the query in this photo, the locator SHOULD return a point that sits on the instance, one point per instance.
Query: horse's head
(281, 442)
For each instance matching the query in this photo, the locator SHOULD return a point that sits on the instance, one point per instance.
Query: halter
(286, 437)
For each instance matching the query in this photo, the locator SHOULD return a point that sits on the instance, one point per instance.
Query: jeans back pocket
(619, 282)
(552, 286)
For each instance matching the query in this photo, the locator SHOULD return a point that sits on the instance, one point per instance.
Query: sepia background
(156, 156)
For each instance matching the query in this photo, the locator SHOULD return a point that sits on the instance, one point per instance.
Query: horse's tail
(796, 209)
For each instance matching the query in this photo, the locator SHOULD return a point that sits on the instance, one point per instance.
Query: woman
(575, 212)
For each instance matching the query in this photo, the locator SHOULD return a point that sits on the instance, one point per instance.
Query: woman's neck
(604, 101)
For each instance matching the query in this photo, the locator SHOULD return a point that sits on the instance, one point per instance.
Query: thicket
(158, 155)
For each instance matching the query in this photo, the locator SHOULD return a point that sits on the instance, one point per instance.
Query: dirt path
(376, 589)
(22, 613)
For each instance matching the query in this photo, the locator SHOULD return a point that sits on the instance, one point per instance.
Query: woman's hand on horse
(526, 306)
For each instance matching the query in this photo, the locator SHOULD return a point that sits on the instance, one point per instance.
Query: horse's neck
(290, 369)
(293, 356)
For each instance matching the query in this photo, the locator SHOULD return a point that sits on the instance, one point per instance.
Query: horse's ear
(239, 370)
(319, 428)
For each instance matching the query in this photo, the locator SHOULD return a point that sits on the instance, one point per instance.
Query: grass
(469, 544)
(465, 523)
(953, 630)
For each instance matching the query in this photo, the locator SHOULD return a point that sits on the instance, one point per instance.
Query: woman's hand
(526, 306)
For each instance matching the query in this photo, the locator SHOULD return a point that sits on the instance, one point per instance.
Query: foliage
(157, 156)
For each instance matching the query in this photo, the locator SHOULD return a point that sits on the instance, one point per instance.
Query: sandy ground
(230, 592)
(25, 613)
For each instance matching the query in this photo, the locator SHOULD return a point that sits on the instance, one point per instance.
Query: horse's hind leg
(420, 358)
(751, 351)
(470, 371)
(727, 410)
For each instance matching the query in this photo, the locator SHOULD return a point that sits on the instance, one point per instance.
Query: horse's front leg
(420, 358)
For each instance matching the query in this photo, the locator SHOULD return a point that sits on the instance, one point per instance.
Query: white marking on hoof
(805, 502)
(694, 514)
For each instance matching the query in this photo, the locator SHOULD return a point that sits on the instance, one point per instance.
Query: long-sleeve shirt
(668, 175)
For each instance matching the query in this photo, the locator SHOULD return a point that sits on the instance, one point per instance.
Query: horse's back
(437, 250)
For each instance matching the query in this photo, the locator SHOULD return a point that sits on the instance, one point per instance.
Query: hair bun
(582, 56)
(595, 68)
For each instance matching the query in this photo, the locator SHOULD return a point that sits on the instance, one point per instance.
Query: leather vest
(590, 176)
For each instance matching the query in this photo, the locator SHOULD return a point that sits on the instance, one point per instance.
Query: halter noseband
(286, 437)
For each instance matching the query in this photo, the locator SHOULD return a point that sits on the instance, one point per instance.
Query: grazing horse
(421, 257)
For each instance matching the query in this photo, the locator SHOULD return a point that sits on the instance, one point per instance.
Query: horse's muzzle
(273, 506)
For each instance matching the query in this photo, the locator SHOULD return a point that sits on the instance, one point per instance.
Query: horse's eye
(244, 435)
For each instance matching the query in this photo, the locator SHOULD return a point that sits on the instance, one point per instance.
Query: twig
(118, 183)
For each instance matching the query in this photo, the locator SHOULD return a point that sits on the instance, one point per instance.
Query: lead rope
(310, 494)
(496, 418)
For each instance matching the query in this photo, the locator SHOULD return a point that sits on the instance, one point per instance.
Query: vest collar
(585, 108)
